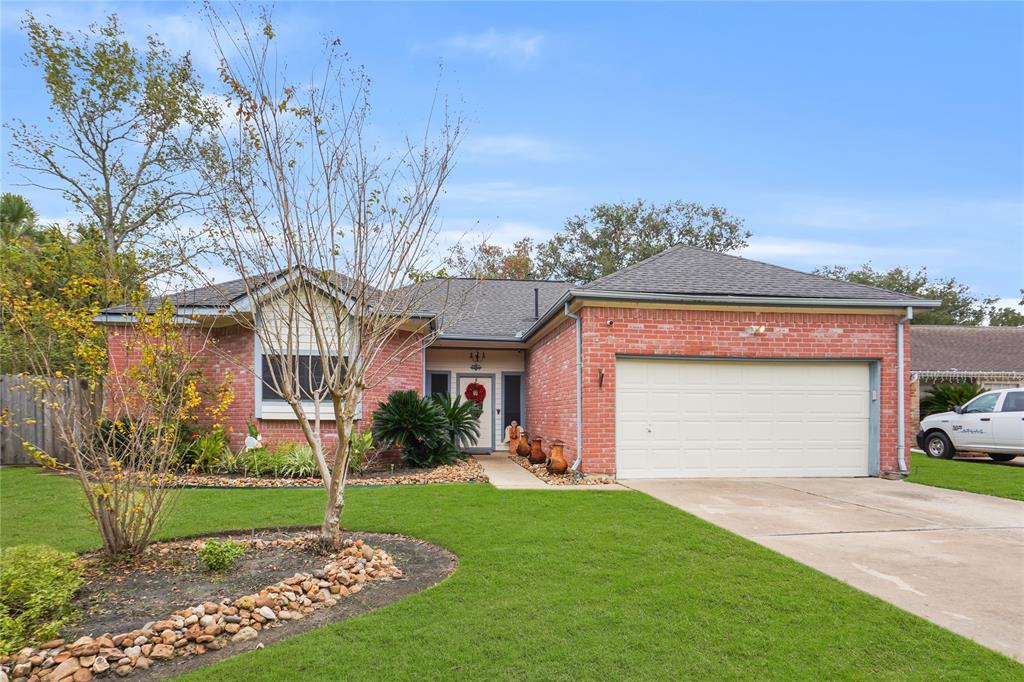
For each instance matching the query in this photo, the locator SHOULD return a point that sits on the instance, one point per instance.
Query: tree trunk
(330, 529)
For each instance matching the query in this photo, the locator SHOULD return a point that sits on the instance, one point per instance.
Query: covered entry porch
(452, 368)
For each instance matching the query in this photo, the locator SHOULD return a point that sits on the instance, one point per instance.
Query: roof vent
(536, 302)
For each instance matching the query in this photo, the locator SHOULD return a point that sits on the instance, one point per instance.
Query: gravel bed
(462, 471)
(171, 615)
(568, 478)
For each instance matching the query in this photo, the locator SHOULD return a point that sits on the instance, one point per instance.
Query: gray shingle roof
(218, 295)
(489, 307)
(686, 270)
(940, 348)
(505, 308)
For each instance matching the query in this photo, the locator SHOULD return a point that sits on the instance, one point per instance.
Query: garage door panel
(681, 418)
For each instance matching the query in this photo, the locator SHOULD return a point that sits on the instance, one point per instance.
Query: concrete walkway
(505, 474)
(952, 557)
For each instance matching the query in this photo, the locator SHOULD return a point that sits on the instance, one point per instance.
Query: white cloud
(495, 192)
(851, 213)
(522, 147)
(516, 47)
(1010, 303)
(181, 31)
(813, 253)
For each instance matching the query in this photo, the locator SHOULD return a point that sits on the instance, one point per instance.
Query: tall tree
(959, 306)
(44, 261)
(611, 236)
(128, 130)
(491, 261)
(327, 234)
(1007, 316)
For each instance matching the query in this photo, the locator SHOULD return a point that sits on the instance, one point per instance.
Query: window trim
(309, 406)
(430, 380)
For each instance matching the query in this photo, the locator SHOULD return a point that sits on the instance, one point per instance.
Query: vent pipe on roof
(536, 302)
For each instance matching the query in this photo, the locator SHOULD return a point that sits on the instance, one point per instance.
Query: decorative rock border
(467, 471)
(568, 478)
(208, 626)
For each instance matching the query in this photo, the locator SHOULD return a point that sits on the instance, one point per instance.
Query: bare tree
(128, 130)
(121, 425)
(333, 239)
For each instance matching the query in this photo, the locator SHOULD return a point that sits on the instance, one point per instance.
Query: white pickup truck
(992, 423)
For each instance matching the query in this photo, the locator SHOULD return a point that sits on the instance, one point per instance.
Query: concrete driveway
(954, 558)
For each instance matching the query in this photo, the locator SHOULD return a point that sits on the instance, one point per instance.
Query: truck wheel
(936, 444)
(1000, 457)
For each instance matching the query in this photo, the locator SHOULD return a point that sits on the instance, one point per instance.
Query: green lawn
(555, 585)
(975, 477)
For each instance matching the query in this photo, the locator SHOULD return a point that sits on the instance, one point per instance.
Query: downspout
(901, 422)
(579, 386)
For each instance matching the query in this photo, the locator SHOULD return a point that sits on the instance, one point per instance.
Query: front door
(485, 443)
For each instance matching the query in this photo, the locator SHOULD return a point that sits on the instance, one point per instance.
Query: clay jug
(523, 448)
(537, 452)
(556, 462)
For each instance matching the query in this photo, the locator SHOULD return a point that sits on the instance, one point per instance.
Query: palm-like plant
(17, 219)
(415, 424)
(463, 418)
(944, 397)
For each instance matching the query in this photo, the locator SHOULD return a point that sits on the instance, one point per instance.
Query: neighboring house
(990, 356)
(688, 364)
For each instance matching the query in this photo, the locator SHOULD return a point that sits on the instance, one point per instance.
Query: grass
(976, 477)
(554, 585)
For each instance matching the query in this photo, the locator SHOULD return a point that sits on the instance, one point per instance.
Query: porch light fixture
(476, 356)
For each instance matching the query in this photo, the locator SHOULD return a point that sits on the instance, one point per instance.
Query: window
(439, 383)
(308, 370)
(1014, 402)
(983, 403)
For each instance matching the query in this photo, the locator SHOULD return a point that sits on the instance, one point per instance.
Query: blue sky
(842, 133)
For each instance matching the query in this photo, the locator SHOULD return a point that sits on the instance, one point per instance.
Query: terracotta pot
(537, 452)
(523, 448)
(556, 462)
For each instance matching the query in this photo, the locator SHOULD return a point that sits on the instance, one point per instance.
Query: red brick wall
(399, 367)
(551, 388)
(720, 333)
(232, 349)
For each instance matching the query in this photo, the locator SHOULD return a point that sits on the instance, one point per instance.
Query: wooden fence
(26, 420)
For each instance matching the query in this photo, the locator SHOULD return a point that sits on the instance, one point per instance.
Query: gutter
(901, 423)
(725, 300)
(579, 386)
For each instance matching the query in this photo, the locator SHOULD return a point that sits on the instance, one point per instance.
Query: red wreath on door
(475, 393)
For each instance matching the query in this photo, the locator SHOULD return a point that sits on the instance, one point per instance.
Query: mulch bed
(462, 471)
(568, 478)
(281, 571)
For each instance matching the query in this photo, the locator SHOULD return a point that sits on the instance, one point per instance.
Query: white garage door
(684, 418)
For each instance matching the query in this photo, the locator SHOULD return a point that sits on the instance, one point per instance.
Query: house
(688, 364)
(990, 356)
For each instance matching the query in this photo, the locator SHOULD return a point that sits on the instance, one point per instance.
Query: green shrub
(944, 397)
(360, 446)
(418, 426)
(258, 462)
(37, 585)
(204, 451)
(220, 555)
(295, 460)
(463, 418)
